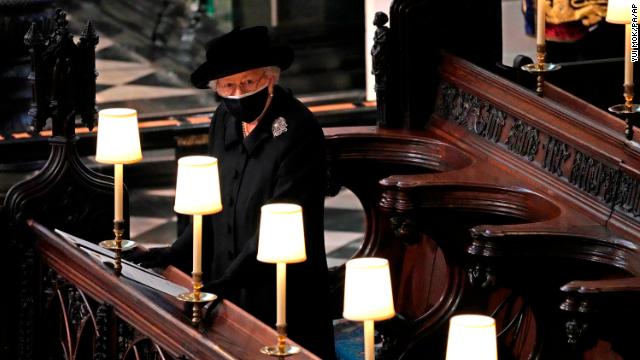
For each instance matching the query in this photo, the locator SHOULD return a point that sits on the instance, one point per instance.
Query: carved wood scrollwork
(608, 183)
(77, 327)
(555, 155)
(381, 62)
(393, 335)
(576, 326)
(333, 184)
(64, 194)
(514, 316)
(404, 228)
(103, 315)
(26, 316)
(594, 177)
(574, 331)
(481, 275)
(144, 348)
(471, 112)
(523, 140)
(490, 123)
(63, 75)
(125, 338)
(629, 195)
(70, 328)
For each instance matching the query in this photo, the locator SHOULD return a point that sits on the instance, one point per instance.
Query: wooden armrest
(631, 284)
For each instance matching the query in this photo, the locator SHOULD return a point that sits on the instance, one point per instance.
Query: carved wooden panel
(572, 155)
(75, 327)
(584, 172)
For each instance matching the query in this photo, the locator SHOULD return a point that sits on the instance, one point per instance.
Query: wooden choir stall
(485, 198)
(62, 302)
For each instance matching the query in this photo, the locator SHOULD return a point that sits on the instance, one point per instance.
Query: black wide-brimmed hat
(240, 50)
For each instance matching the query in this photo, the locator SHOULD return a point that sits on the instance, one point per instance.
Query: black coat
(260, 169)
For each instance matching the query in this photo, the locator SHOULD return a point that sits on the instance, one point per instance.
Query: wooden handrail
(231, 334)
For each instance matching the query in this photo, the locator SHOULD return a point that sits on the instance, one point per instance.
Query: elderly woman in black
(270, 149)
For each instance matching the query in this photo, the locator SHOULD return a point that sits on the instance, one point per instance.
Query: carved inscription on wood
(628, 199)
(606, 182)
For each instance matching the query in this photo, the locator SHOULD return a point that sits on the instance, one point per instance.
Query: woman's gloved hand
(152, 258)
(218, 287)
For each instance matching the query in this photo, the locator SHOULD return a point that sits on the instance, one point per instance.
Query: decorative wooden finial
(63, 76)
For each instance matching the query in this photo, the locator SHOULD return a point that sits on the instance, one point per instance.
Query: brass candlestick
(540, 67)
(118, 143)
(196, 298)
(281, 349)
(118, 245)
(627, 110)
(281, 241)
(197, 194)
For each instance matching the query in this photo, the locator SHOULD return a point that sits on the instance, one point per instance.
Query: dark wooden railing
(89, 313)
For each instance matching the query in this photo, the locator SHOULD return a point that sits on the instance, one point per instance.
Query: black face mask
(248, 108)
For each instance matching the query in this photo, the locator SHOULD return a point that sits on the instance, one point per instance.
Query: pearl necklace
(245, 129)
(245, 126)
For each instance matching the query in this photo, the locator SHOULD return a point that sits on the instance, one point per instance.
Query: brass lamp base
(627, 111)
(118, 245)
(125, 245)
(624, 109)
(539, 69)
(281, 349)
(196, 298)
(277, 351)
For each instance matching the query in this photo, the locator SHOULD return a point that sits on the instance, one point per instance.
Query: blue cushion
(349, 337)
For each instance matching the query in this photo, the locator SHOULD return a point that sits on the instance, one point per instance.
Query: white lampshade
(472, 337)
(367, 290)
(198, 186)
(281, 234)
(619, 11)
(118, 136)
